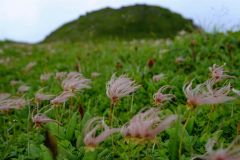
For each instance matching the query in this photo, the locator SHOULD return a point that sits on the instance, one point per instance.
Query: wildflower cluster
(206, 93)
(7, 102)
(120, 87)
(73, 83)
(232, 152)
(146, 124)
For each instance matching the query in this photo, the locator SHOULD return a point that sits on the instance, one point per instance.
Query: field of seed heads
(140, 99)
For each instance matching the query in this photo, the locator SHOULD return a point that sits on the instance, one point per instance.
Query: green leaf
(66, 150)
(45, 154)
(84, 120)
(173, 145)
(71, 126)
(34, 151)
(56, 130)
(187, 141)
(190, 125)
(91, 155)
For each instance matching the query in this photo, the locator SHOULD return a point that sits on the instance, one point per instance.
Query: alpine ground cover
(57, 95)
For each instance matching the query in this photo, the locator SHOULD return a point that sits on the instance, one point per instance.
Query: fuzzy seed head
(147, 124)
(12, 103)
(43, 97)
(158, 77)
(218, 73)
(45, 77)
(230, 153)
(205, 94)
(75, 82)
(63, 97)
(40, 118)
(91, 139)
(120, 87)
(160, 98)
(23, 88)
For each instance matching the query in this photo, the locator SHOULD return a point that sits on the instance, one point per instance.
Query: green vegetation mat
(181, 60)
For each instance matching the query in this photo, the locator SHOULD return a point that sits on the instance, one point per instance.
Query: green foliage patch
(20, 139)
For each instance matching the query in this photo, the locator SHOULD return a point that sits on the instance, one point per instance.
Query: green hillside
(132, 22)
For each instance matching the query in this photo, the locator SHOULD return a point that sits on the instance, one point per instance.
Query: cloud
(15, 11)
(32, 20)
(18, 18)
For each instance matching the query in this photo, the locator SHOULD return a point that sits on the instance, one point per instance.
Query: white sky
(32, 20)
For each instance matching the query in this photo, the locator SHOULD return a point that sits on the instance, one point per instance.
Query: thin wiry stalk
(51, 108)
(58, 118)
(232, 110)
(62, 110)
(45, 107)
(29, 117)
(112, 105)
(182, 134)
(131, 107)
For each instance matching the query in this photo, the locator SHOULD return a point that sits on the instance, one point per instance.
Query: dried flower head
(205, 93)
(179, 60)
(182, 33)
(30, 65)
(14, 82)
(95, 74)
(158, 77)
(74, 74)
(63, 97)
(45, 77)
(5, 61)
(23, 88)
(4, 96)
(236, 91)
(159, 97)
(230, 153)
(91, 139)
(218, 73)
(60, 75)
(75, 82)
(163, 51)
(43, 97)
(120, 87)
(41, 118)
(12, 103)
(147, 124)
(168, 42)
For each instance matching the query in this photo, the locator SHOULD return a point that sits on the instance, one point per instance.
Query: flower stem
(111, 113)
(232, 111)
(182, 134)
(29, 117)
(131, 108)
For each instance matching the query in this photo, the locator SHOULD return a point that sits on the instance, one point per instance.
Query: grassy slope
(21, 140)
(140, 21)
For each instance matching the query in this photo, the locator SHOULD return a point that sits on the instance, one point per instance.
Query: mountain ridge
(128, 22)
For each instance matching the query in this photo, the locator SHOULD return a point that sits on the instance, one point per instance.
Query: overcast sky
(32, 20)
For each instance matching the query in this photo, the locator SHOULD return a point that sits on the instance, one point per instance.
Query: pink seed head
(120, 87)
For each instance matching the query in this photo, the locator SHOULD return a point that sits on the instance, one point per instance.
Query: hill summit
(131, 22)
